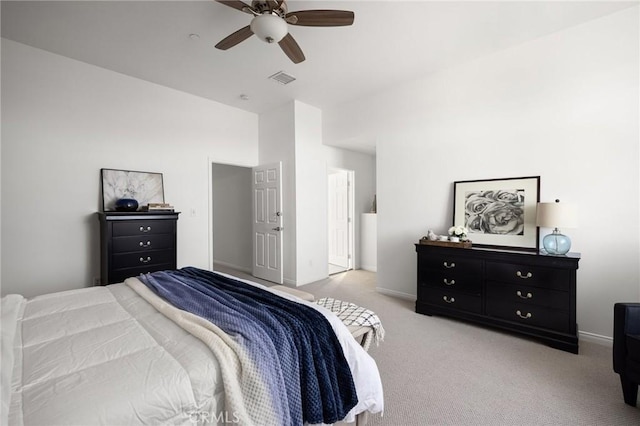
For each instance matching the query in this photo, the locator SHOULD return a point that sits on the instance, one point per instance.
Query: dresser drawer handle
(446, 299)
(143, 244)
(143, 229)
(447, 282)
(147, 260)
(449, 265)
(518, 313)
(528, 295)
(524, 277)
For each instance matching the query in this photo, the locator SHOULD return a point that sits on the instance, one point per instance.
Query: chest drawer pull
(147, 260)
(518, 313)
(143, 229)
(524, 277)
(528, 295)
(448, 300)
(143, 244)
(449, 265)
(447, 282)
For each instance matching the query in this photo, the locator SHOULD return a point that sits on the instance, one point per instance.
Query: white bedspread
(103, 355)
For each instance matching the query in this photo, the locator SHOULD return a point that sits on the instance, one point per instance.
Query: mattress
(104, 355)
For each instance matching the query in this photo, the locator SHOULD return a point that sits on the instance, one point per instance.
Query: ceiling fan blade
(291, 49)
(320, 18)
(236, 4)
(241, 35)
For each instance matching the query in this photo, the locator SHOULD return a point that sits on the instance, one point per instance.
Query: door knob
(278, 228)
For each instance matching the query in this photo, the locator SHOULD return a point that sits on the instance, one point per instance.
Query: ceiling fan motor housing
(261, 6)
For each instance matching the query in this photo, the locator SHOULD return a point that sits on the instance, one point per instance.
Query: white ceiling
(390, 42)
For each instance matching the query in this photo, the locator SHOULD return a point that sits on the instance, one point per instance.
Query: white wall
(311, 196)
(232, 216)
(293, 134)
(564, 107)
(277, 143)
(63, 120)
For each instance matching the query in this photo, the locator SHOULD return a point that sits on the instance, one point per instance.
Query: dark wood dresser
(523, 292)
(135, 243)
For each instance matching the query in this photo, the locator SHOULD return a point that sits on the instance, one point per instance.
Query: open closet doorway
(340, 220)
(231, 217)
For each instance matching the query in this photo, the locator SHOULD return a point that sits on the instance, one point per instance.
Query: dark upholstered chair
(626, 348)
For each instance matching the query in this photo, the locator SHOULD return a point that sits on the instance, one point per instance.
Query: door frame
(351, 213)
(210, 162)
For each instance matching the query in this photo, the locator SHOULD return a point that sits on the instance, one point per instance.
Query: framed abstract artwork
(144, 187)
(498, 213)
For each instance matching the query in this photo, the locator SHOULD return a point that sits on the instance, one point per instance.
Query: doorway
(340, 220)
(231, 217)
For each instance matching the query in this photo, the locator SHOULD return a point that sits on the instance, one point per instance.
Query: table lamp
(556, 215)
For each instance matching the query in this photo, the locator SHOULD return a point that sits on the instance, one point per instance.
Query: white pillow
(10, 311)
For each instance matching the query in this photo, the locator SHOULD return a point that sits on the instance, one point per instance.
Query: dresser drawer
(143, 227)
(143, 243)
(450, 299)
(119, 275)
(537, 276)
(514, 293)
(453, 280)
(529, 314)
(148, 258)
(438, 262)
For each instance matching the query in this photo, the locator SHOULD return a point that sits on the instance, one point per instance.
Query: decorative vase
(454, 239)
(126, 205)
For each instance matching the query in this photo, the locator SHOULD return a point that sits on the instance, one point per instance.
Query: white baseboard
(372, 268)
(395, 293)
(232, 266)
(595, 338)
(290, 283)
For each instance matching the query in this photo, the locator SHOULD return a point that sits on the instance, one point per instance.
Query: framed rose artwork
(498, 213)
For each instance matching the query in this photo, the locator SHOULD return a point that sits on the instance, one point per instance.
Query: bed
(121, 354)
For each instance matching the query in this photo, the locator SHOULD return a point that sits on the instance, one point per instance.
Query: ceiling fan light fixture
(269, 28)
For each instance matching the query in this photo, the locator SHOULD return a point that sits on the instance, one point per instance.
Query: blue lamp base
(556, 243)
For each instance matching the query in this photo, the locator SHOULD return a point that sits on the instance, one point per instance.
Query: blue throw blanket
(293, 345)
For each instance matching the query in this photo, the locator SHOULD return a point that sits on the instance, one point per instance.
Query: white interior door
(267, 223)
(339, 218)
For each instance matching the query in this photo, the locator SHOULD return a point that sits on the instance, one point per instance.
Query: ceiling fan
(269, 23)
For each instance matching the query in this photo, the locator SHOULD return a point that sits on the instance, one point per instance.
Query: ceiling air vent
(282, 77)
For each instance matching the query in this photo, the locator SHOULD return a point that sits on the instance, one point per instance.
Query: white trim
(372, 268)
(210, 212)
(232, 266)
(210, 162)
(395, 293)
(595, 338)
(351, 191)
(290, 283)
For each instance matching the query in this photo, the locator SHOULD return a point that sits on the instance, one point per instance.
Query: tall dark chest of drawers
(527, 293)
(135, 243)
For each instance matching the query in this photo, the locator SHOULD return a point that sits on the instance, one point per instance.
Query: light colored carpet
(439, 371)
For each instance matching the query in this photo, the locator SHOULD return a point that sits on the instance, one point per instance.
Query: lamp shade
(269, 28)
(556, 215)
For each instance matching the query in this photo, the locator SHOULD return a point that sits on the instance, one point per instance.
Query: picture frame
(499, 213)
(144, 187)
